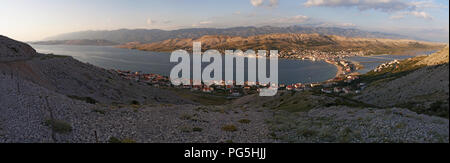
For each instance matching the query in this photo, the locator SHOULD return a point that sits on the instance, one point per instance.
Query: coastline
(340, 70)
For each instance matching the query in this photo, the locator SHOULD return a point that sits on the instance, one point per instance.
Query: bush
(245, 121)
(229, 128)
(58, 126)
(197, 129)
(85, 99)
(134, 102)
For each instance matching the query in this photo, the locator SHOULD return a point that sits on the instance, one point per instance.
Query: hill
(76, 42)
(420, 84)
(287, 43)
(70, 77)
(155, 35)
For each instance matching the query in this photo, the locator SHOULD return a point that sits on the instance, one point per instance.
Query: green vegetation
(85, 99)
(229, 128)
(306, 101)
(437, 108)
(293, 102)
(229, 141)
(186, 117)
(349, 102)
(115, 140)
(51, 56)
(58, 126)
(135, 102)
(197, 129)
(387, 74)
(185, 128)
(202, 98)
(245, 121)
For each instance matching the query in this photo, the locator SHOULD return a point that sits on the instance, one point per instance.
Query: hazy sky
(29, 20)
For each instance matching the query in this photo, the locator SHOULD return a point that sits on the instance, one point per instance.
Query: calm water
(290, 71)
(372, 62)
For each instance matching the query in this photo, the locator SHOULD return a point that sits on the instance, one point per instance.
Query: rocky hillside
(11, 50)
(56, 99)
(75, 79)
(76, 42)
(155, 35)
(440, 57)
(314, 117)
(287, 43)
(420, 84)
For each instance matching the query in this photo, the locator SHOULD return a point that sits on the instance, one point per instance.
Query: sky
(31, 20)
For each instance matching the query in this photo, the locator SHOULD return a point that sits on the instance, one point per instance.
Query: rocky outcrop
(420, 84)
(440, 57)
(11, 50)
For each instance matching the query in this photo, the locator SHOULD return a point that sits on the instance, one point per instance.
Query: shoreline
(340, 70)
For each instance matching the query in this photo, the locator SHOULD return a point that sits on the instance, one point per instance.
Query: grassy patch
(186, 117)
(201, 98)
(185, 128)
(229, 128)
(387, 74)
(245, 121)
(58, 126)
(197, 129)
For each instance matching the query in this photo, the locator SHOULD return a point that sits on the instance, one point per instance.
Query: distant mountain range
(76, 42)
(155, 35)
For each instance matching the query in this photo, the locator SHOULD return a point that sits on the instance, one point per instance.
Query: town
(346, 74)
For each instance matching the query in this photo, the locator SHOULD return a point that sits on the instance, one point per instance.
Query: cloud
(382, 5)
(400, 8)
(427, 4)
(261, 3)
(417, 14)
(256, 3)
(421, 14)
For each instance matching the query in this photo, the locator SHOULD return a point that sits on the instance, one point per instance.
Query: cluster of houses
(234, 90)
(319, 55)
(394, 64)
(160, 81)
(155, 80)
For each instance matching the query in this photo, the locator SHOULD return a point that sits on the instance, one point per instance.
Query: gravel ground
(351, 125)
(25, 107)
